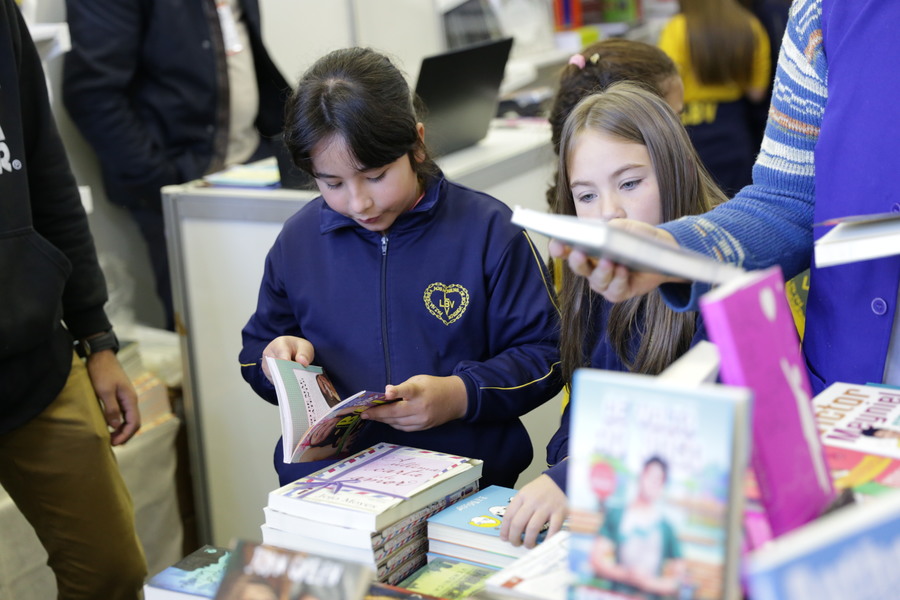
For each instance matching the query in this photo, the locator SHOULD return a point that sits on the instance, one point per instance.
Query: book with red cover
(749, 319)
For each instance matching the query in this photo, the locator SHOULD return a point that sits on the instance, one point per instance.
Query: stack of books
(470, 530)
(370, 508)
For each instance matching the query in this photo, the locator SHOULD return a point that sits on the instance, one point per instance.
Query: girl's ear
(420, 149)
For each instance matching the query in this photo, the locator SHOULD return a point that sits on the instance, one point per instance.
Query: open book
(315, 423)
(599, 238)
(859, 237)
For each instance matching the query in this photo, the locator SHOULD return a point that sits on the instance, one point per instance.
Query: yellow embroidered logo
(446, 302)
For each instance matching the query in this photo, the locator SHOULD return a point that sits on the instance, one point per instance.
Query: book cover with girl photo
(656, 471)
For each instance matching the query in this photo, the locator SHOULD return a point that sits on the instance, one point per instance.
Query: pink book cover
(750, 321)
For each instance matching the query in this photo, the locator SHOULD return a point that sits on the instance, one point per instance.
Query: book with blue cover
(197, 575)
(474, 524)
(849, 553)
(656, 472)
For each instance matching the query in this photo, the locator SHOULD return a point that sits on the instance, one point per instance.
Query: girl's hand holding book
(288, 347)
(425, 402)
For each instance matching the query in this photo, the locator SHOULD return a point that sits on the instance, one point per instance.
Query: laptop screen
(460, 90)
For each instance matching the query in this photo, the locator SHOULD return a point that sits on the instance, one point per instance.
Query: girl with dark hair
(623, 154)
(722, 53)
(397, 278)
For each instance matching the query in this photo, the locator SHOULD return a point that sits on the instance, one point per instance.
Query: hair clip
(594, 58)
(577, 60)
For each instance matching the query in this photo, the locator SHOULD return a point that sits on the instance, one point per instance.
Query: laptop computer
(460, 91)
(292, 177)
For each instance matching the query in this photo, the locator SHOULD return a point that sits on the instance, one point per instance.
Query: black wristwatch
(104, 341)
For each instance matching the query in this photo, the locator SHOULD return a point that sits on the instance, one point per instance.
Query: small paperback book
(315, 423)
(860, 429)
(470, 529)
(376, 487)
(260, 571)
(656, 471)
(751, 323)
(851, 552)
(196, 576)
(447, 578)
(641, 253)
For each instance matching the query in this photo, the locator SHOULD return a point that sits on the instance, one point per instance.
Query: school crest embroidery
(445, 301)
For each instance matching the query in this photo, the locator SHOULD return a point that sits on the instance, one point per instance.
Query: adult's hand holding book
(622, 258)
(614, 281)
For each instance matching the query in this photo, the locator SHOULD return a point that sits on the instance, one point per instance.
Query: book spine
(418, 518)
(404, 553)
(385, 552)
(403, 571)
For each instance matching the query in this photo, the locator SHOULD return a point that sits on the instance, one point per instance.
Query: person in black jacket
(166, 92)
(58, 413)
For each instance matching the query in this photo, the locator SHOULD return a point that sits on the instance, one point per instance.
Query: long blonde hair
(633, 113)
(720, 40)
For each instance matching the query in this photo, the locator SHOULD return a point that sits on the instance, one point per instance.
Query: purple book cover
(750, 321)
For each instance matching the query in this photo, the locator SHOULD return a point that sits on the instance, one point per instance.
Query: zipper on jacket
(384, 327)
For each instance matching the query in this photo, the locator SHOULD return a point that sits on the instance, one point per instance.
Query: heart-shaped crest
(445, 301)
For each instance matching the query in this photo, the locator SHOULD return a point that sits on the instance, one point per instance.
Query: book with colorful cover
(376, 487)
(448, 579)
(197, 575)
(541, 574)
(750, 321)
(656, 472)
(263, 571)
(851, 552)
(471, 527)
(860, 428)
(385, 591)
(360, 538)
(315, 423)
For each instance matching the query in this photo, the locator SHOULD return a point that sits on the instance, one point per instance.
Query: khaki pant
(60, 471)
